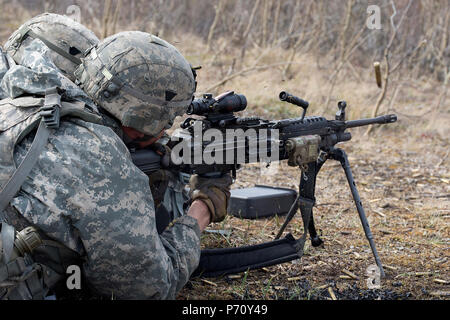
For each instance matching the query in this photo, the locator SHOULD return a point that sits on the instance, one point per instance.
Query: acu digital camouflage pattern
(37, 73)
(146, 64)
(14, 123)
(5, 63)
(85, 192)
(67, 34)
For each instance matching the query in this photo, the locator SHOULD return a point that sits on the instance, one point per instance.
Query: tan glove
(214, 192)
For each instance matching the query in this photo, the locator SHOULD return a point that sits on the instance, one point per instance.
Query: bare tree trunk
(267, 5)
(106, 13)
(293, 20)
(219, 9)
(444, 41)
(247, 30)
(345, 28)
(132, 11)
(275, 22)
(334, 75)
(299, 40)
(116, 14)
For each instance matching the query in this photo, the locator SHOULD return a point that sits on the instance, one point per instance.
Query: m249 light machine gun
(306, 142)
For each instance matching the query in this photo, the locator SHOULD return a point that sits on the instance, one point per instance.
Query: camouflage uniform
(86, 193)
(5, 63)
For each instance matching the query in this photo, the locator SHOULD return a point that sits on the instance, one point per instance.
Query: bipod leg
(341, 156)
(305, 201)
(290, 215)
(307, 193)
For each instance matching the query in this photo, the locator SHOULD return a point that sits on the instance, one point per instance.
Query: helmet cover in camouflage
(67, 38)
(139, 78)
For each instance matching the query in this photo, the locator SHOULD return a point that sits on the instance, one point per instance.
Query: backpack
(21, 276)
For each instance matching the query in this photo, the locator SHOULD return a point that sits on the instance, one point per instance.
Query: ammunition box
(260, 202)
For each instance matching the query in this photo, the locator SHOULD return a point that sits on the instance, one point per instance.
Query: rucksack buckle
(50, 112)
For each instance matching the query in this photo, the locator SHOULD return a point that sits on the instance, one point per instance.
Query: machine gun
(306, 142)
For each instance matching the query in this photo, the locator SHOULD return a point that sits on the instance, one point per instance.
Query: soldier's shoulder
(98, 138)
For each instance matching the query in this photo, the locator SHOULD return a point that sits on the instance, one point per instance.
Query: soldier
(65, 43)
(84, 195)
(37, 72)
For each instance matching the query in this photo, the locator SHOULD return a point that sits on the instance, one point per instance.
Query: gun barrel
(388, 118)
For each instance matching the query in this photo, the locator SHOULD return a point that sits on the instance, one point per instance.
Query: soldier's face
(141, 139)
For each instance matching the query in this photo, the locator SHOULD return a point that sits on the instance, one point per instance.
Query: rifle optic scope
(228, 104)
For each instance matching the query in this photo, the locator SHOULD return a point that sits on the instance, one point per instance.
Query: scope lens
(233, 103)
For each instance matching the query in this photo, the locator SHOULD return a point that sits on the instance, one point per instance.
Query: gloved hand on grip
(214, 192)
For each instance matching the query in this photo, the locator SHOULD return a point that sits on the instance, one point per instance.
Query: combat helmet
(67, 39)
(140, 79)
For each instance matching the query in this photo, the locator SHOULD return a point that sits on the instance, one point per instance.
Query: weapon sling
(223, 261)
(218, 262)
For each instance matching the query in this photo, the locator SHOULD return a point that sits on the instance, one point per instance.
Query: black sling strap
(219, 262)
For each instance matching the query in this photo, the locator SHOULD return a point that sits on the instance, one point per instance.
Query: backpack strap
(50, 119)
(6, 242)
(15, 182)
